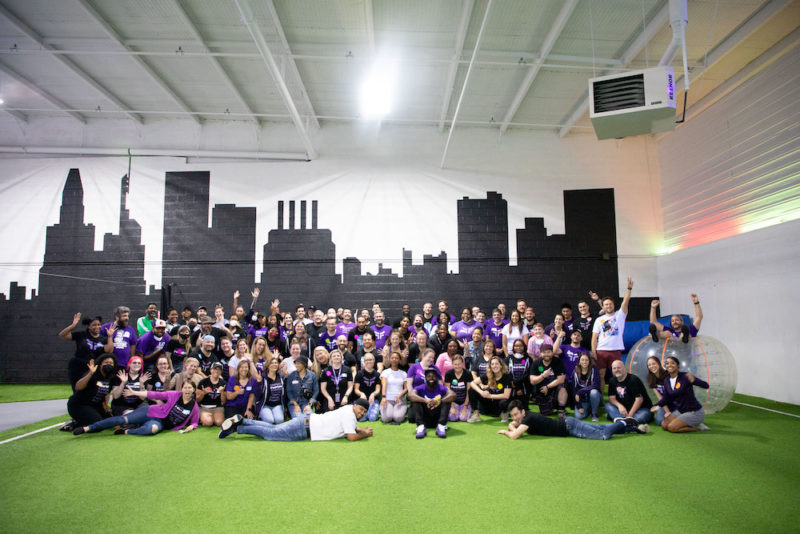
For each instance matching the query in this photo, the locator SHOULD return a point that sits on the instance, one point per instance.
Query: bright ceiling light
(2, 101)
(377, 89)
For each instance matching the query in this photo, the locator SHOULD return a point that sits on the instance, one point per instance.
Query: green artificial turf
(18, 393)
(742, 476)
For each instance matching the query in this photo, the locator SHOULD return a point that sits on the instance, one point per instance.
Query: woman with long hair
(495, 389)
(586, 385)
(335, 384)
(272, 405)
(682, 412)
(211, 396)
(513, 331)
(241, 390)
(394, 387)
(655, 381)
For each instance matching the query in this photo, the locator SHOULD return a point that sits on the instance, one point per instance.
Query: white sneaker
(703, 427)
(504, 417)
(421, 431)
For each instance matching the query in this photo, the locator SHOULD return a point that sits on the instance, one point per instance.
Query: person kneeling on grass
(179, 412)
(682, 412)
(524, 421)
(430, 404)
(334, 424)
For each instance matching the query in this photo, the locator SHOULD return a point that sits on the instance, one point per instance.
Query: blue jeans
(302, 402)
(372, 413)
(582, 430)
(643, 415)
(660, 414)
(292, 430)
(594, 402)
(271, 414)
(136, 417)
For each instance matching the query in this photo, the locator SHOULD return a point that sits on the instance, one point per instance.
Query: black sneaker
(121, 430)
(78, 430)
(654, 332)
(229, 425)
(562, 416)
(686, 334)
(68, 427)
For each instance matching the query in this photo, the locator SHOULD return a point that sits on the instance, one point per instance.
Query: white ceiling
(207, 60)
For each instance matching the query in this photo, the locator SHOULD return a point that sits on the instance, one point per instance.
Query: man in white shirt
(607, 343)
(339, 423)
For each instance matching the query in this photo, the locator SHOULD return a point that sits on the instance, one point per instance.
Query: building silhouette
(204, 265)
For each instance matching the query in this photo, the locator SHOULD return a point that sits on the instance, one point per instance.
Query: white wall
(731, 170)
(749, 288)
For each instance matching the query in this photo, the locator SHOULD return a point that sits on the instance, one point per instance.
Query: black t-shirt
(238, 333)
(627, 391)
(500, 387)
(350, 360)
(540, 425)
(212, 398)
(156, 384)
(88, 347)
(413, 354)
(216, 332)
(520, 370)
(314, 331)
(584, 326)
(540, 367)
(127, 402)
(205, 361)
(355, 337)
(177, 349)
(458, 385)
(368, 381)
(480, 367)
(329, 377)
(178, 414)
(95, 391)
(274, 391)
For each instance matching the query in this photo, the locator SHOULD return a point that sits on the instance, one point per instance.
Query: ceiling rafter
(184, 16)
(461, 35)
(273, 69)
(8, 71)
(312, 115)
(97, 86)
(549, 41)
(144, 65)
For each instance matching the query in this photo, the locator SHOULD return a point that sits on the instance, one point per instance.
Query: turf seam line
(31, 433)
(766, 409)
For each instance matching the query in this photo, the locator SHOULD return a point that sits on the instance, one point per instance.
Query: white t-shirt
(511, 337)
(394, 382)
(332, 425)
(609, 331)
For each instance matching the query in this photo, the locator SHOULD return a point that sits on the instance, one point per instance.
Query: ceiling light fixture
(377, 89)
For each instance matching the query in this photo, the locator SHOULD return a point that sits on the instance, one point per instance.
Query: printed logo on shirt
(620, 392)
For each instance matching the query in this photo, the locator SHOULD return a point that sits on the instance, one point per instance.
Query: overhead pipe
(145, 152)
(678, 18)
(466, 80)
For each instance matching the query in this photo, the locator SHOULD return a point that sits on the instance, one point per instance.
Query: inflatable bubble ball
(704, 356)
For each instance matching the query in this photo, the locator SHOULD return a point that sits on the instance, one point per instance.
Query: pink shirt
(444, 363)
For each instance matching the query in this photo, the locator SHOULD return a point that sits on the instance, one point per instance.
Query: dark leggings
(149, 425)
(430, 418)
(493, 406)
(85, 414)
(230, 411)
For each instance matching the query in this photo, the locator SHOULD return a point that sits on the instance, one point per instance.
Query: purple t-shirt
(495, 332)
(254, 332)
(343, 329)
(241, 400)
(692, 331)
(430, 394)
(463, 330)
(151, 348)
(124, 339)
(570, 356)
(327, 340)
(381, 335)
(417, 373)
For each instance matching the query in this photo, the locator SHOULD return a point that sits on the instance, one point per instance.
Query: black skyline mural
(203, 265)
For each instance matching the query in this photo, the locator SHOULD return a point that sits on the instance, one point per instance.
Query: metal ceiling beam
(650, 30)
(466, 81)
(461, 35)
(17, 115)
(312, 115)
(274, 71)
(97, 86)
(116, 37)
(8, 71)
(369, 19)
(533, 70)
(184, 16)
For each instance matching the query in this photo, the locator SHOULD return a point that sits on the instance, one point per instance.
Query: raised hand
(123, 376)
(92, 366)
(695, 298)
(236, 294)
(76, 319)
(630, 282)
(654, 303)
(145, 377)
(593, 295)
(255, 293)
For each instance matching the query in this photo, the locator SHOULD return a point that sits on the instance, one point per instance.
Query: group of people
(286, 377)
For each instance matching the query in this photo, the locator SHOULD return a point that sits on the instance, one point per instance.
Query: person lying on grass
(179, 412)
(524, 421)
(338, 423)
